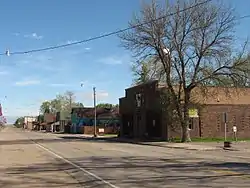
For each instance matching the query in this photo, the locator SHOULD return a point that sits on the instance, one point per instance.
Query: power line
(101, 36)
(108, 34)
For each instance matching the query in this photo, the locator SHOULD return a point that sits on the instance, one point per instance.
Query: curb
(194, 149)
(172, 147)
(230, 149)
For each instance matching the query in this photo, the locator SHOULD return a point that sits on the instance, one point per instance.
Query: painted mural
(85, 117)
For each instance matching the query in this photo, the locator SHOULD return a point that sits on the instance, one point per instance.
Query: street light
(166, 51)
(7, 52)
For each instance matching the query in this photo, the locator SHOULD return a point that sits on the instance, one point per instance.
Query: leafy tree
(45, 107)
(40, 118)
(19, 122)
(57, 104)
(62, 102)
(195, 46)
(105, 105)
(78, 104)
(141, 73)
(149, 69)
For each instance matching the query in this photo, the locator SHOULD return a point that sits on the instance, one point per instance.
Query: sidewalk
(188, 146)
(198, 146)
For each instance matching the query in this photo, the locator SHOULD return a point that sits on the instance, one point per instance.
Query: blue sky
(29, 79)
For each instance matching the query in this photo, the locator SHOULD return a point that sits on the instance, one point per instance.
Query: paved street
(32, 159)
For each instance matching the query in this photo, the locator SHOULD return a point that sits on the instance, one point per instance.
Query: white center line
(75, 165)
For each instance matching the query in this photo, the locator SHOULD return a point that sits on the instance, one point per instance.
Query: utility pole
(70, 102)
(70, 95)
(94, 93)
(39, 120)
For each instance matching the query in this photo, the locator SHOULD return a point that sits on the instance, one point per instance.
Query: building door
(138, 125)
(153, 124)
(127, 123)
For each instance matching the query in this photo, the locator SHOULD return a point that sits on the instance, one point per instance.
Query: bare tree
(194, 41)
(62, 102)
(69, 96)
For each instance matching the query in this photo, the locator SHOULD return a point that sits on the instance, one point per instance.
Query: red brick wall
(175, 130)
(49, 118)
(212, 120)
(107, 130)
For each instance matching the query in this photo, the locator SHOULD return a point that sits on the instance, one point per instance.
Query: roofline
(216, 87)
(146, 83)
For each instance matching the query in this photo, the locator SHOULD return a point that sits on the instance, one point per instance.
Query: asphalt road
(31, 159)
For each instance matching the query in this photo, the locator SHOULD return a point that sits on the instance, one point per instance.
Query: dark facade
(142, 115)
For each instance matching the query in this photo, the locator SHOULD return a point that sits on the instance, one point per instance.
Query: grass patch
(110, 135)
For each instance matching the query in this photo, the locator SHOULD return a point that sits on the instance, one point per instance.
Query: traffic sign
(193, 113)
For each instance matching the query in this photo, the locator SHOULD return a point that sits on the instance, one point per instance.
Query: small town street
(125, 94)
(35, 159)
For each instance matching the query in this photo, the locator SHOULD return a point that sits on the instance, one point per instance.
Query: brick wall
(107, 130)
(49, 118)
(212, 120)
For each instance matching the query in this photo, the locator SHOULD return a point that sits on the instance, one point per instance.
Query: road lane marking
(75, 165)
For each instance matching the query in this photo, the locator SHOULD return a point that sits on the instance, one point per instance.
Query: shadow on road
(28, 141)
(74, 138)
(144, 172)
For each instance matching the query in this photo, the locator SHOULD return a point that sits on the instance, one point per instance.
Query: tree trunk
(185, 119)
(185, 133)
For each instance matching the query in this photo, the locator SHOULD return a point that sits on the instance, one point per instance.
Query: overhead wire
(108, 34)
(100, 36)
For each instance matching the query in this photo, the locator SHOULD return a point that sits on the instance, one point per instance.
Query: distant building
(28, 122)
(49, 119)
(83, 116)
(62, 119)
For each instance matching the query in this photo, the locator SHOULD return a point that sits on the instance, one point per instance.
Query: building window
(138, 99)
(242, 121)
(154, 123)
(218, 123)
(248, 120)
(191, 123)
(142, 99)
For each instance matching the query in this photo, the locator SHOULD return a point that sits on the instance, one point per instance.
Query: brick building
(141, 112)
